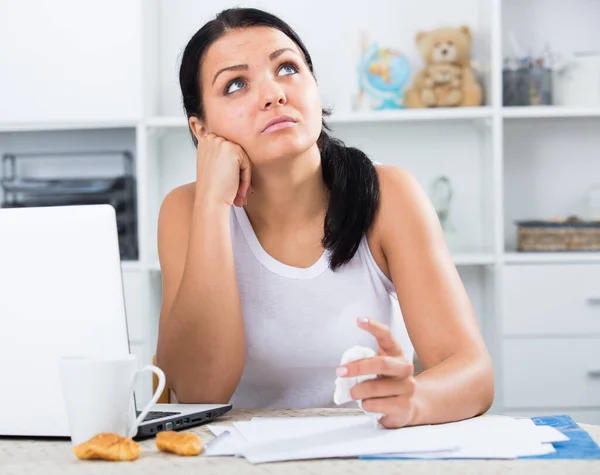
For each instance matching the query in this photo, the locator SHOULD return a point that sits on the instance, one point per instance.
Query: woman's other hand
(391, 393)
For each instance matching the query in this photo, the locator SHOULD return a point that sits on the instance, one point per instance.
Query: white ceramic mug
(98, 395)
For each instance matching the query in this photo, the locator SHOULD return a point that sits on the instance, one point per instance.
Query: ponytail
(353, 184)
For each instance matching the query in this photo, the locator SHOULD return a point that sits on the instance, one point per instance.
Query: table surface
(19, 456)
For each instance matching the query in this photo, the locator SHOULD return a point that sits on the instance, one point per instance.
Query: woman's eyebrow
(237, 67)
(244, 67)
(279, 52)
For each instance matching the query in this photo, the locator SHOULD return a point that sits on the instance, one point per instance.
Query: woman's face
(256, 76)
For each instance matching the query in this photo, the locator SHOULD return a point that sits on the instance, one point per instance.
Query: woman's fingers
(383, 387)
(245, 177)
(399, 411)
(390, 406)
(380, 365)
(385, 339)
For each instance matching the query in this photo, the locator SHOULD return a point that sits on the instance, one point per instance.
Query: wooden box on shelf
(571, 234)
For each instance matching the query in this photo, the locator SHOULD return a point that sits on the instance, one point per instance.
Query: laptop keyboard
(157, 415)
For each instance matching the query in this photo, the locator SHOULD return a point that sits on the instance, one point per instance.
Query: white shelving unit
(550, 112)
(551, 257)
(503, 167)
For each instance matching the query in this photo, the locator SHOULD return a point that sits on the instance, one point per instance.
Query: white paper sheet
(262, 430)
(495, 437)
(350, 436)
(232, 445)
(325, 437)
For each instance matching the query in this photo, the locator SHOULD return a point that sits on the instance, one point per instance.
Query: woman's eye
(234, 85)
(287, 69)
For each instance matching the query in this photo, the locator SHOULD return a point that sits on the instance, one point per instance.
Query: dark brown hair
(348, 173)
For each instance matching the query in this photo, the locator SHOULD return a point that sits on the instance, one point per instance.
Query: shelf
(401, 115)
(550, 257)
(473, 258)
(412, 115)
(155, 267)
(132, 266)
(542, 112)
(52, 126)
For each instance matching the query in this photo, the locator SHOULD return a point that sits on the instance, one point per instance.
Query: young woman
(290, 248)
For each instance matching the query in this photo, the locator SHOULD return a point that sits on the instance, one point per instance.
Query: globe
(384, 73)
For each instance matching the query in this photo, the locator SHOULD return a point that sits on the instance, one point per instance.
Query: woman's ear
(198, 128)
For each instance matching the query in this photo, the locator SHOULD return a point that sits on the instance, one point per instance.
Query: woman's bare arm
(201, 343)
(458, 381)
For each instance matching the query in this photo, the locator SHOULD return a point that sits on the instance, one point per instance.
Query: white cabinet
(551, 300)
(551, 372)
(551, 339)
(548, 333)
(70, 61)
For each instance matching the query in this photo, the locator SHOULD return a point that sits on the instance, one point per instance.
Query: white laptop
(61, 293)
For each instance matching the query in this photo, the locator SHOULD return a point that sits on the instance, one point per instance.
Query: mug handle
(159, 389)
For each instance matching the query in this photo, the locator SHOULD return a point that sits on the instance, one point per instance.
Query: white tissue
(344, 384)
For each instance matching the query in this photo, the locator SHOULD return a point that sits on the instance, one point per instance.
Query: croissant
(108, 446)
(180, 443)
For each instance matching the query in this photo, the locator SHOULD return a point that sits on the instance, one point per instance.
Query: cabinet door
(68, 60)
(551, 300)
(551, 373)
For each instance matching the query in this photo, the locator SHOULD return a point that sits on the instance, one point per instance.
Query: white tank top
(299, 321)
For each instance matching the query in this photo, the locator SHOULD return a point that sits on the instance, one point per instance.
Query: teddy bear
(442, 85)
(444, 46)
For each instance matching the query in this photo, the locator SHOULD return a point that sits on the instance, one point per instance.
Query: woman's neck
(288, 195)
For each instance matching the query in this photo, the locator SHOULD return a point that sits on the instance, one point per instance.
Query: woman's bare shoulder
(177, 207)
(400, 192)
(174, 221)
(400, 199)
(406, 217)
(392, 184)
(390, 176)
(179, 199)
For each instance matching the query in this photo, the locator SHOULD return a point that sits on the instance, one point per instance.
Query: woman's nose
(273, 97)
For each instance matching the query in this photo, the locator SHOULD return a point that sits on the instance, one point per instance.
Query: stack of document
(263, 439)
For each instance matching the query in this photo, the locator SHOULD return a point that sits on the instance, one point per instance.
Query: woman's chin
(282, 150)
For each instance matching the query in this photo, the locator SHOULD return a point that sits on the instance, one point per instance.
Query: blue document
(579, 446)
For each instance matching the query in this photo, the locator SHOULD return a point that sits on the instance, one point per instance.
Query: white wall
(567, 26)
(70, 60)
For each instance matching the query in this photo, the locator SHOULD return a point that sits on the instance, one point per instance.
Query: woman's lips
(279, 125)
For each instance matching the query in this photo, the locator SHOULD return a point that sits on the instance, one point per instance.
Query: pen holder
(527, 86)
